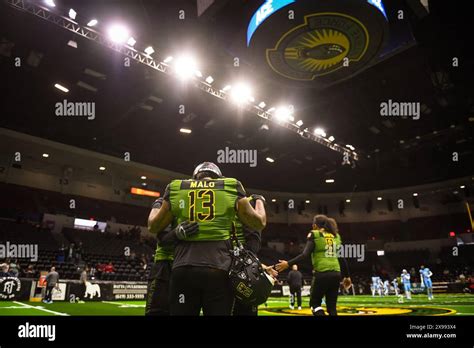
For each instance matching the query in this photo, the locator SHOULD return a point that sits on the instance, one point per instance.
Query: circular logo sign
(9, 287)
(324, 43)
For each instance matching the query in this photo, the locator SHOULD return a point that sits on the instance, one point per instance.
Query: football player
(425, 276)
(406, 283)
(199, 277)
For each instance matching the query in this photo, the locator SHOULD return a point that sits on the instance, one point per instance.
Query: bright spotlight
(320, 131)
(61, 88)
(92, 22)
(185, 67)
(168, 59)
(131, 42)
(143, 177)
(348, 200)
(262, 105)
(331, 138)
(307, 201)
(226, 88)
(283, 114)
(415, 194)
(118, 33)
(50, 3)
(149, 50)
(269, 159)
(241, 93)
(185, 130)
(101, 169)
(299, 123)
(209, 79)
(329, 181)
(198, 73)
(379, 198)
(45, 155)
(274, 200)
(72, 14)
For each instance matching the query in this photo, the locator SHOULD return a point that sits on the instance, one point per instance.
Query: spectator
(4, 267)
(30, 271)
(79, 250)
(109, 268)
(71, 252)
(14, 268)
(52, 279)
(462, 278)
(83, 279)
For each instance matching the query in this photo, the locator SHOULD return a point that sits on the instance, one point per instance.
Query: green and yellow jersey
(324, 256)
(210, 202)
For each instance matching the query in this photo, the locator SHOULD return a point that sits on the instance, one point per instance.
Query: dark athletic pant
(157, 298)
(49, 292)
(325, 284)
(194, 288)
(295, 292)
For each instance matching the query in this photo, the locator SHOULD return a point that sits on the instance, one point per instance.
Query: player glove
(257, 197)
(186, 229)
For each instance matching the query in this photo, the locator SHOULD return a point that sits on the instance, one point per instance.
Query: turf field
(446, 304)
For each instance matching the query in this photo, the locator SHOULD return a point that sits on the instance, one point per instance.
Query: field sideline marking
(124, 305)
(40, 308)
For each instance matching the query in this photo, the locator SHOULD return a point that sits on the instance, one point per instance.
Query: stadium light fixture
(50, 3)
(307, 201)
(462, 186)
(92, 23)
(415, 194)
(102, 168)
(45, 155)
(131, 41)
(269, 159)
(262, 104)
(274, 200)
(118, 33)
(348, 200)
(379, 198)
(320, 131)
(283, 113)
(209, 79)
(331, 138)
(168, 59)
(299, 123)
(185, 67)
(149, 50)
(61, 88)
(72, 43)
(185, 130)
(72, 14)
(241, 93)
(329, 181)
(143, 177)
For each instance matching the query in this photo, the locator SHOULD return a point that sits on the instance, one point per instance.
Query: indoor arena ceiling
(137, 108)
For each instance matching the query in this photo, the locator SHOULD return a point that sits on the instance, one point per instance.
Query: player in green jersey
(157, 298)
(322, 244)
(199, 278)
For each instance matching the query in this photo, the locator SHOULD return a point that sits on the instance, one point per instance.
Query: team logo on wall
(324, 43)
(9, 287)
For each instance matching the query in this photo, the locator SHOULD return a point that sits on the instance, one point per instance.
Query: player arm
(308, 249)
(160, 215)
(254, 218)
